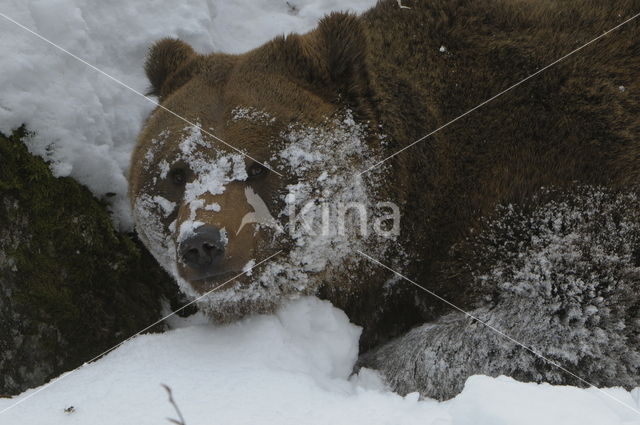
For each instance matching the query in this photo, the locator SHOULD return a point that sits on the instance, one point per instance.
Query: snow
(293, 367)
(252, 114)
(85, 123)
(248, 267)
(167, 206)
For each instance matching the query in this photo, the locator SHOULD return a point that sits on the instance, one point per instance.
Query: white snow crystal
(167, 206)
(247, 269)
(251, 114)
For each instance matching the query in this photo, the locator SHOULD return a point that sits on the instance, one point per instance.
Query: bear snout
(203, 251)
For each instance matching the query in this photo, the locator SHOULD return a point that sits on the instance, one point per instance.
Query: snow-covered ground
(84, 122)
(289, 368)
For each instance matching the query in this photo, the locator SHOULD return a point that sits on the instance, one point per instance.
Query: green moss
(73, 274)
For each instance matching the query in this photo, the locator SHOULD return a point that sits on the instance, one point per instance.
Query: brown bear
(520, 216)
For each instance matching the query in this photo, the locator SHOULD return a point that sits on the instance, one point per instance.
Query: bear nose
(203, 250)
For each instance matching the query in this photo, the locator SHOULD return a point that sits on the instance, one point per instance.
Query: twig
(175, 406)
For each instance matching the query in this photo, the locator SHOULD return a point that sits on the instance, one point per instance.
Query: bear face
(261, 158)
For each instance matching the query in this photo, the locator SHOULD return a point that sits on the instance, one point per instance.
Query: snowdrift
(292, 367)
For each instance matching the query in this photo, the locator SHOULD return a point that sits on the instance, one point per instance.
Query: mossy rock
(71, 286)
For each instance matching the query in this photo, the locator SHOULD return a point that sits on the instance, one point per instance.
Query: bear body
(246, 146)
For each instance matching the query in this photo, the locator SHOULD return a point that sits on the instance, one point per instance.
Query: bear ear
(341, 46)
(334, 57)
(168, 66)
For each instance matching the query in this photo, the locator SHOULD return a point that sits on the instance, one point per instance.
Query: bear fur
(555, 156)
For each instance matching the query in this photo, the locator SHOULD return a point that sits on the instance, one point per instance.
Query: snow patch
(247, 269)
(290, 368)
(248, 113)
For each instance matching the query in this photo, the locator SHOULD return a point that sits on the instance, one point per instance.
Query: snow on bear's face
(263, 173)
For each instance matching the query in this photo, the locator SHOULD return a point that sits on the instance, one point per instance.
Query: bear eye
(178, 176)
(256, 170)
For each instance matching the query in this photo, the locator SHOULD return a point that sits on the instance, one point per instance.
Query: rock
(71, 287)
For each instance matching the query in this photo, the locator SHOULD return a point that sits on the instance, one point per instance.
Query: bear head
(257, 156)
